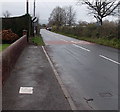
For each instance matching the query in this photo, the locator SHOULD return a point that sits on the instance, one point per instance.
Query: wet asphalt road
(89, 71)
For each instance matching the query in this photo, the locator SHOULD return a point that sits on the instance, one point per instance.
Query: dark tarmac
(33, 70)
(89, 71)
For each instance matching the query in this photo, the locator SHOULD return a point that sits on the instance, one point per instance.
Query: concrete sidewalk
(33, 70)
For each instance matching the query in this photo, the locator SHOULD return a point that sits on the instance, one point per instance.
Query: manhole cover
(105, 94)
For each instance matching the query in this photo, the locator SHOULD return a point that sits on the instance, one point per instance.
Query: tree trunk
(101, 22)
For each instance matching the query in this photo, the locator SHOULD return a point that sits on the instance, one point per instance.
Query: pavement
(89, 71)
(33, 70)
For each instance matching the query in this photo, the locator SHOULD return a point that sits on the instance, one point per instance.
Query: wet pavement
(33, 70)
(88, 70)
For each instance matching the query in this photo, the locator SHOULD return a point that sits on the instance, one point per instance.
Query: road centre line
(73, 41)
(63, 40)
(81, 47)
(109, 59)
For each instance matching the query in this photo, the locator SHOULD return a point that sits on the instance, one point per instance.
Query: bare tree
(6, 14)
(70, 15)
(58, 16)
(102, 8)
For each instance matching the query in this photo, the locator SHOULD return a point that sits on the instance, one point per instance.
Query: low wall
(10, 56)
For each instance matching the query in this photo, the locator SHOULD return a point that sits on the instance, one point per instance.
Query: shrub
(8, 36)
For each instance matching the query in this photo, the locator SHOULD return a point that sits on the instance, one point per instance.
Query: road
(89, 71)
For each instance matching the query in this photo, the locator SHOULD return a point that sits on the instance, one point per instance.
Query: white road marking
(109, 59)
(81, 47)
(26, 90)
(73, 41)
(63, 40)
(65, 91)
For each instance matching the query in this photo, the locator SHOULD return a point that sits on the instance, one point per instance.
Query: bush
(8, 36)
(107, 30)
(107, 34)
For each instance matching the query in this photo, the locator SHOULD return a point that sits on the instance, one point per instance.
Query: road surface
(89, 71)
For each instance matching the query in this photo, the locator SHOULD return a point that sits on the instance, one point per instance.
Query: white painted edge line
(81, 47)
(66, 93)
(109, 59)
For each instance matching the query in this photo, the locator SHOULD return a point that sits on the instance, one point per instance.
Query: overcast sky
(45, 7)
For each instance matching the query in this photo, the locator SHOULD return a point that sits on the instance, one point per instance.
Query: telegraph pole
(27, 8)
(119, 20)
(34, 16)
(34, 9)
(28, 24)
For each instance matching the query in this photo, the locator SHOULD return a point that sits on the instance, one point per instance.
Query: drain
(107, 94)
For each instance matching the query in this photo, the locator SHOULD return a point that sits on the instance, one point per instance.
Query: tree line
(62, 16)
(98, 8)
(63, 21)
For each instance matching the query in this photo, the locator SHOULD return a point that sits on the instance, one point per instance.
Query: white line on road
(109, 59)
(63, 40)
(65, 91)
(81, 47)
(74, 42)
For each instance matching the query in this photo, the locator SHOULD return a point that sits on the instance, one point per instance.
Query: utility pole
(27, 7)
(28, 24)
(34, 16)
(34, 9)
(119, 21)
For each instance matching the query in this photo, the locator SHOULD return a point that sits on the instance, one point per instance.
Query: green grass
(37, 40)
(3, 46)
(115, 43)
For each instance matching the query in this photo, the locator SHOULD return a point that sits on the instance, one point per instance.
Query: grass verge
(3, 46)
(115, 43)
(37, 40)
